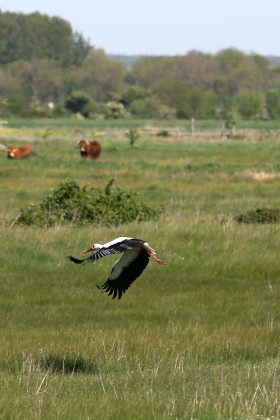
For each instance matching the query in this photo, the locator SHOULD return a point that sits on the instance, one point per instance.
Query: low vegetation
(195, 339)
(70, 203)
(265, 215)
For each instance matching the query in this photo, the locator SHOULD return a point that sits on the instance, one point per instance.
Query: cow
(18, 152)
(89, 150)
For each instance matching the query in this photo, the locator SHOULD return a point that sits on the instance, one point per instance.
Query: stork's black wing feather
(127, 276)
(103, 252)
(95, 256)
(76, 261)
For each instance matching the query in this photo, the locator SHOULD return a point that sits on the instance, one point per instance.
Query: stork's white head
(97, 246)
(93, 248)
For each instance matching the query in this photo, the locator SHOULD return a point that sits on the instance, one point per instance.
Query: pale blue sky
(171, 27)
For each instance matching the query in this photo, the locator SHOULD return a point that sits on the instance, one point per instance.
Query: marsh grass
(198, 338)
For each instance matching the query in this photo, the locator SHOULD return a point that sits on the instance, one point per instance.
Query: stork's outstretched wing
(113, 247)
(126, 270)
(95, 256)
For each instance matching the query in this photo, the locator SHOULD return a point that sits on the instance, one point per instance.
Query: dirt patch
(259, 176)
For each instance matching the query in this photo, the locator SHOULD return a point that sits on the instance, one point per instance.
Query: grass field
(196, 339)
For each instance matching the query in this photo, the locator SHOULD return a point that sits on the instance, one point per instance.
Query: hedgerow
(71, 203)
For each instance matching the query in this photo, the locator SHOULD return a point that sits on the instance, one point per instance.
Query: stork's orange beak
(88, 250)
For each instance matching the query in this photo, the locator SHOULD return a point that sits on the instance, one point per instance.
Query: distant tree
(226, 105)
(273, 103)
(273, 79)
(203, 104)
(149, 71)
(40, 80)
(13, 77)
(47, 80)
(196, 69)
(249, 104)
(10, 37)
(145, 108)
(25, 37)
(175, 95)
(81, 48)
(133, 93)
(238, 71)
(210, 105)
(230, 59)
(18, 104)
(100, 76)
(77, 102)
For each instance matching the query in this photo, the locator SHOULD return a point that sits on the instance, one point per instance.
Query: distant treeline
(46, 69)
(36, 36)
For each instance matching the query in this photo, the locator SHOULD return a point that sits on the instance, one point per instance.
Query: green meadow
(198, 338)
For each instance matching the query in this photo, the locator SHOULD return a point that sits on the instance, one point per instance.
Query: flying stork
(135, 258)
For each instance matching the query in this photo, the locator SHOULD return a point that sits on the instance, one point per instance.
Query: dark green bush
(264, 215)
(163, 133)
(78, 102)
(133, 135)
(70, 203)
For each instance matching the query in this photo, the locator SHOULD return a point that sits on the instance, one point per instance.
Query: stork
(135, 258)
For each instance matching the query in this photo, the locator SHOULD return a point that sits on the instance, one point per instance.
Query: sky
(166, 27)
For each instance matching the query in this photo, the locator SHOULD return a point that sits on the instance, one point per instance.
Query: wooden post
(192, 127)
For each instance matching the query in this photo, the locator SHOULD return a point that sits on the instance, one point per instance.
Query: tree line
(47, 69)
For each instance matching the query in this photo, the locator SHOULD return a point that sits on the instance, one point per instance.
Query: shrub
(132, 94)
(249, 104)
(273, 103)
(264, 215)
(114, 110)
(163, 133)
(78, 102)
(133, 135)
(70, 203)
(231, 123)
(145, 107)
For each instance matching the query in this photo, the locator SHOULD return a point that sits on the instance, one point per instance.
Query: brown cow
(18, 152)
(89, 150)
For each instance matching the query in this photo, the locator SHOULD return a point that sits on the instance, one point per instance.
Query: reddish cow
(89, 150)
(18, 152)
